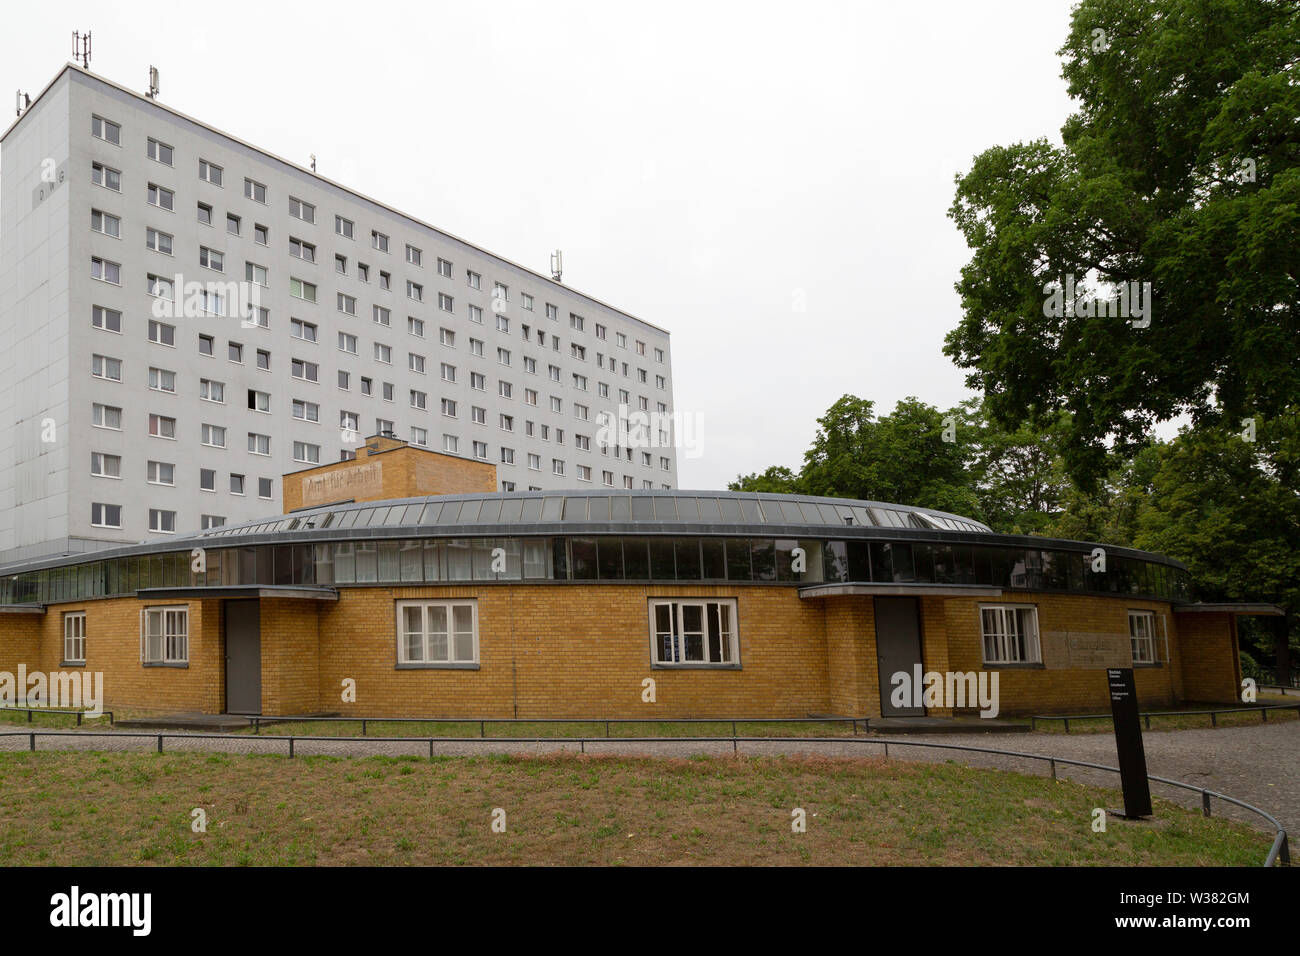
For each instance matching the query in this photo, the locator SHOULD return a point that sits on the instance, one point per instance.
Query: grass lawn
(132, 808)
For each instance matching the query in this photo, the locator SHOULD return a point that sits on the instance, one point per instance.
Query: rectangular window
(307, 371)
(105, 466)
(413, 255)
(302, 290)
(255, 191)
(381, 316)
(162, 521)
(74, 637)
(105, 224)
(158, 241)
(106, 176)
(214, 436)
(444, 268)
(259, 401)
(102, 366)
(1142, 636)
(161, 426)
(106, 130)
(105, 515)
(162, 380)
(344, 227)
(105, 271)
(160, 152)
(304, 452)
(1010, 633)
(437, 632)
(347, 343)
(108, 320)
(302, 210)
(165, 635)
(264, 488)
(378, 240)
(255, 273)
(207, 479)
(259, 444)
(302, 250)
(210, 391)
(210, 172)
(161, 197)
(211, 259)
(160, 473)
(694, 633)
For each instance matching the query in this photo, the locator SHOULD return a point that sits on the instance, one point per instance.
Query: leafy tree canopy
(1180, 168)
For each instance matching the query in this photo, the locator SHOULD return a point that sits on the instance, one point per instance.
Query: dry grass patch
(132, 808)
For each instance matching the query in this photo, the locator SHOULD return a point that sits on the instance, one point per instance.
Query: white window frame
(1003, 635)
(425, 636)
(74, 637)
(169, 643)
(729, 641)
(1135, 639)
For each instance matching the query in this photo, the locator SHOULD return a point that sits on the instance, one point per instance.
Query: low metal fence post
(160, 737)
(1053, 762)
(1214, 719)
(1067, 725)
(78, 718)
(290, 748)
(363, 728)
(31, 742)
(1205, 802)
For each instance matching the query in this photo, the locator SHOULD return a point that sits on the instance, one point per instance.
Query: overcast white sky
(706, 166)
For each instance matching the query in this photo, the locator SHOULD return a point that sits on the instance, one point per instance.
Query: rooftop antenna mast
(81, 48)
(557, 265)
(154, 88)
(22, 102)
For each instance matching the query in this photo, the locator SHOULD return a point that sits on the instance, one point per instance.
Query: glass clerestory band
(596, 558)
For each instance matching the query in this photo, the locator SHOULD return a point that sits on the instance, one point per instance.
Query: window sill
(451, 666)
(1026, 666)
(72, 663)
(182, 665)
(695, 667)
(1144, 665)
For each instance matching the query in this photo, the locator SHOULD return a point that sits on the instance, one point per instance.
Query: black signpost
(1128, 742)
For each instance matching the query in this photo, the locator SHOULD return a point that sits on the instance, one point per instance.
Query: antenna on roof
(313, 162)
(557, 265)
(153, 83)
(81, 48)
(21, 102)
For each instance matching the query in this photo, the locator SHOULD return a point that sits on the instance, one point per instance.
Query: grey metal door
(243, 657)
(898, 648)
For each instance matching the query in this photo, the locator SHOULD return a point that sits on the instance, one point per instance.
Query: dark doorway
(898, 648)
(243, 657)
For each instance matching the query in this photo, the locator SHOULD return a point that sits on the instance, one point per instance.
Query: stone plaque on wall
(1085, 650)
(359, 482)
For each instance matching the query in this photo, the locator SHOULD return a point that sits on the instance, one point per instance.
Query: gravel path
(1259, 764)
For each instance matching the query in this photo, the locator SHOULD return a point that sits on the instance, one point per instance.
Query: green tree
(1226, 508)
(1181, 168)
(777, 479)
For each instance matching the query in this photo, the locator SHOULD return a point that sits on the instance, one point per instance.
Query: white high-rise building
(185, 317)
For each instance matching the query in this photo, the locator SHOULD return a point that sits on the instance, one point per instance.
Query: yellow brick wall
(584, 649)
(113, 649)
(1038, 690)
(1212, 666)
(580, 650)
(407, 473)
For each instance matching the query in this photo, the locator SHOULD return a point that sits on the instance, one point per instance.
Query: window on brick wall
(694, 633)
(165, 635)
(1010, 633)
(1142, 637)
(74, 637)
(437, 633)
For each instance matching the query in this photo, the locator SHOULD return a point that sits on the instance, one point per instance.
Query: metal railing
(259, 721)
(1279, 851)
(1261, 709)
(49, 710)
